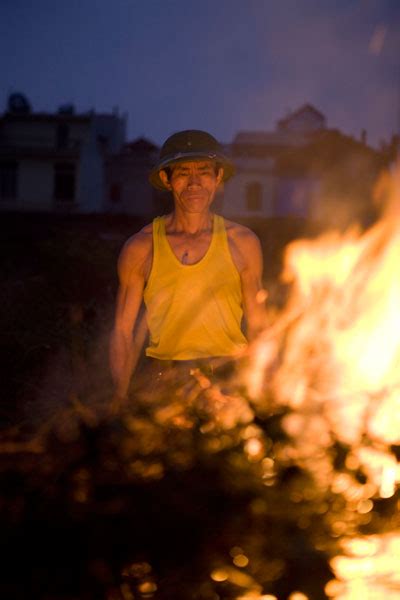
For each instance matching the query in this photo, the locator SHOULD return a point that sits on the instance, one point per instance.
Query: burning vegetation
(276, 482)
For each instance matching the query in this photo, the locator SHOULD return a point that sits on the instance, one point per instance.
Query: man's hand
(118, 404)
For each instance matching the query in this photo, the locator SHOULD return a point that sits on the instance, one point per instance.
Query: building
(301, 169)
(257, 190)
(127, 187)
(80, 163)
(55, 162)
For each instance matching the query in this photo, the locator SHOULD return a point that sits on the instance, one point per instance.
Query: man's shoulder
(140, 241)
(240, 233)
(136, 252)
(245, 247)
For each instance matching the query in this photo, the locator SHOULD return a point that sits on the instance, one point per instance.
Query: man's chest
(189, 249)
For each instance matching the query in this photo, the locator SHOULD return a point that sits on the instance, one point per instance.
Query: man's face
(193, 184)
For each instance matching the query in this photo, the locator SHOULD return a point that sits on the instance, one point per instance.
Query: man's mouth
(194, 195)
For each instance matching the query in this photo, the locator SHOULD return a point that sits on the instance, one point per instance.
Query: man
(197, 273)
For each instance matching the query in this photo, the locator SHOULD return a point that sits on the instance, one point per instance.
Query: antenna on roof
(18, 104)
(66, 109)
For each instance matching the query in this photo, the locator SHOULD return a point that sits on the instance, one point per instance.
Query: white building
(259, 189)
(56, 162)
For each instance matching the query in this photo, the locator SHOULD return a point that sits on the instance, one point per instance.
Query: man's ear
(164, 178)
(220, 175)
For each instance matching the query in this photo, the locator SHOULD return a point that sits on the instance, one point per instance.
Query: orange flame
(338, 375)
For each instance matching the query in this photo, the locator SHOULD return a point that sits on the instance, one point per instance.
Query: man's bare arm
(247, 255)
(130, 328)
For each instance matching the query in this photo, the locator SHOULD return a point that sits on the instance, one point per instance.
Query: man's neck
(190, 223)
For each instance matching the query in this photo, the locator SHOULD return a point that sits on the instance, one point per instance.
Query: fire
(338, 380)
(369, 569)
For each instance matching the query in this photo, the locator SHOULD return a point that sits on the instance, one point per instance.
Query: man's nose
(194, 178)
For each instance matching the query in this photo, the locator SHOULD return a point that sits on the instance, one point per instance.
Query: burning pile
(178, 497)
(333, 359)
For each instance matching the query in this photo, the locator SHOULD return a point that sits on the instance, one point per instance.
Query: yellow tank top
(193, 311)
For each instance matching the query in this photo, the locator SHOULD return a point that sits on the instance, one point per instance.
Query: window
(115, 193)
(62, 135)
(295, 196)
(8, 180)
(254, 196)
(64, 182)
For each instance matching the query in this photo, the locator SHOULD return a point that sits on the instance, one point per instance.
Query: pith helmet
(191, 144)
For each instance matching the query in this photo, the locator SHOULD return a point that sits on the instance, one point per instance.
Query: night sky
(220, 65)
